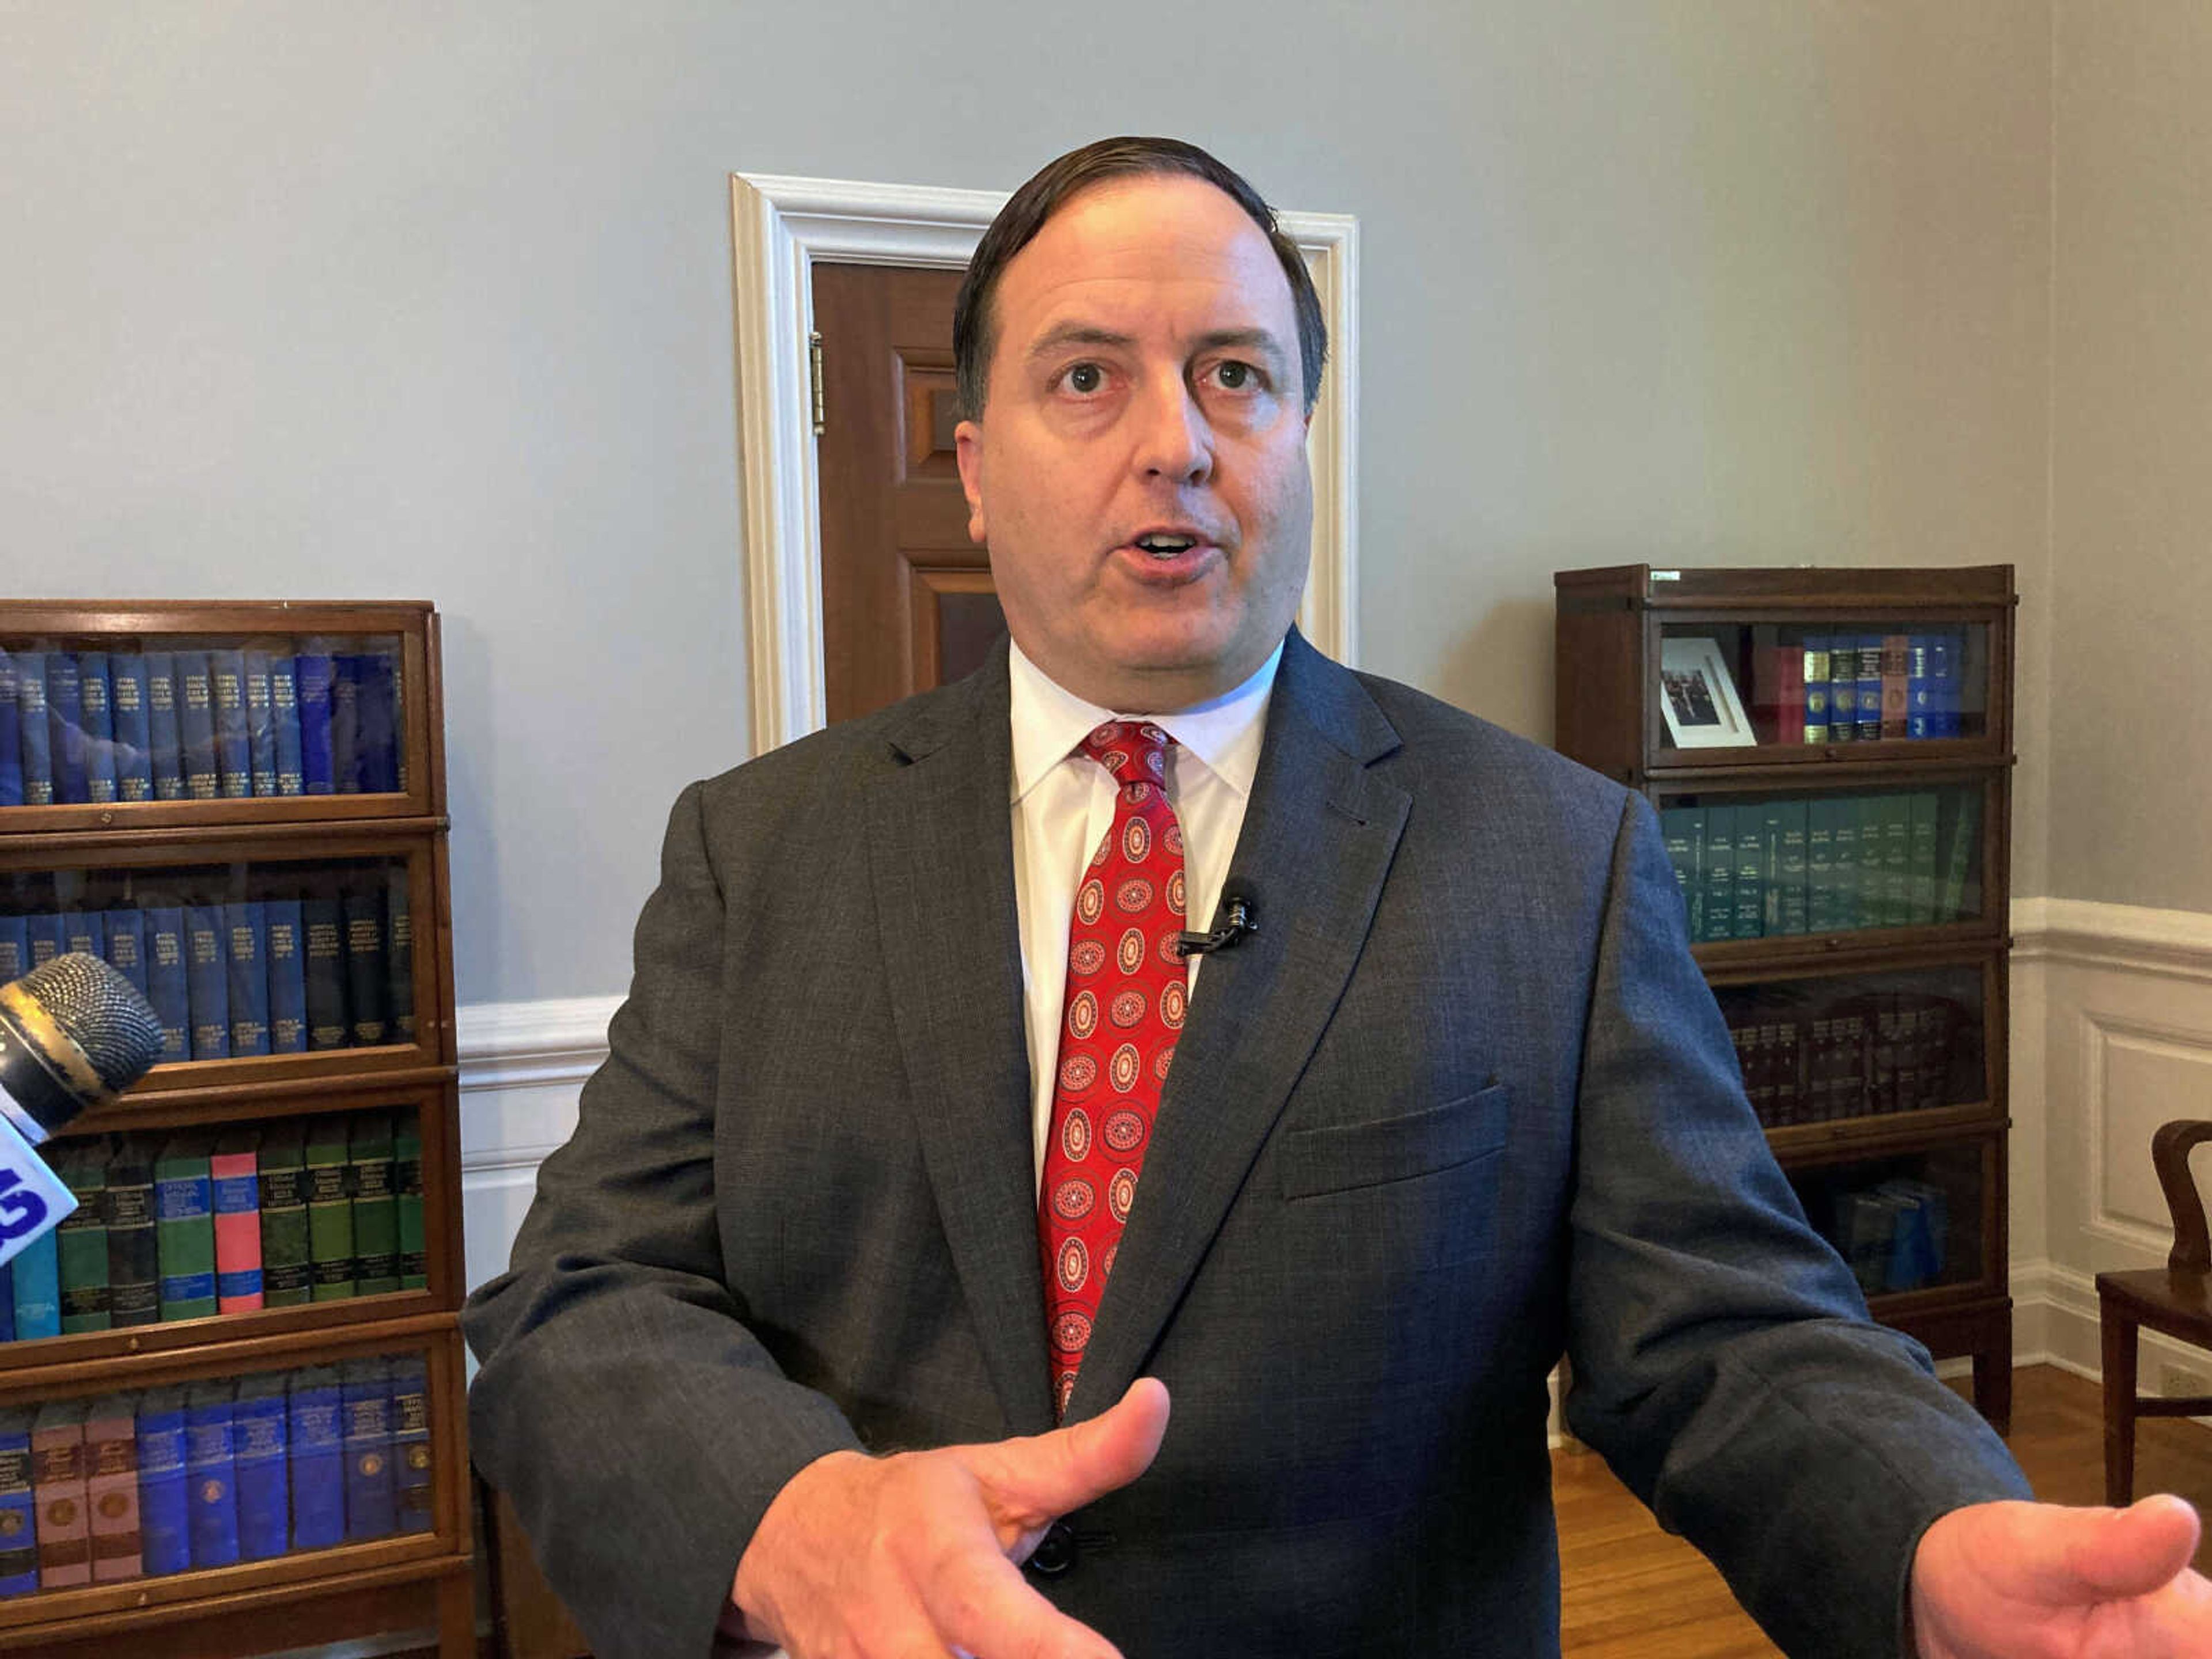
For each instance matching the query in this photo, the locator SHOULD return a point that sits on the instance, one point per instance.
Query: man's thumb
(1053, 1473)
(2135, 1551)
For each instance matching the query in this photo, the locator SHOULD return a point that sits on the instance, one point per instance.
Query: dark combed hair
(975, 329)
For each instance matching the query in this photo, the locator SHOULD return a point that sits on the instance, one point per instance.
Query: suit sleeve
(1723, 1359)
(639, 1428)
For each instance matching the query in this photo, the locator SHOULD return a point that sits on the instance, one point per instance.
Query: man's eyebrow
(1257, 340)
(1068, 334)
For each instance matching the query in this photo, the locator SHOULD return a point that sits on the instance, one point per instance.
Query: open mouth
(1163, 545)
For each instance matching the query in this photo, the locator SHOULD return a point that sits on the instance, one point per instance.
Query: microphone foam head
(100, 1011)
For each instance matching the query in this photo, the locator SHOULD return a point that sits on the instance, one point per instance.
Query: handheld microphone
(1242, 919)
(73, 1033)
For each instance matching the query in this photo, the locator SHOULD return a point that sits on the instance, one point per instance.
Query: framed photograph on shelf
(1698, 697)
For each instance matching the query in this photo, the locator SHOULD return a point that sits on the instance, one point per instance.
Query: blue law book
(65, 728)
(11, 731)
(207, 971)
(184, 1224)
(34, 729)
(377, 734)
(15, 949)
(37, 1298)
(398, 958)
(134, 738)
(1843, 689)
(45, 931)
(369, 1498)
(211, 1470)
(233, 749)
(247, 931)
(284, 722)
(260, 1422)
(164, 1526)
(1920, 719)
(314, 1406)
(19, 1538)
(126, 932)
(83, 934)
(260, 724)
(168, 980)
(1943, 653)
(287, 977)
(196, 726)
(411, 1442)
(345, 722)
(314, 669)
(164, 732)
(97, 703)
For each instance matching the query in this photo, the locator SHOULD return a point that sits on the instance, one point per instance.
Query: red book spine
(235, 1180)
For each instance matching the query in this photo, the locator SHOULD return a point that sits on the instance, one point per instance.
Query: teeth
(1166, 544)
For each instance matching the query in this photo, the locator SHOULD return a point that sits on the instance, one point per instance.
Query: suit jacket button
(1056, 1551)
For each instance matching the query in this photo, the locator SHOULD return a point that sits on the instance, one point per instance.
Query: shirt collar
(1224, 733)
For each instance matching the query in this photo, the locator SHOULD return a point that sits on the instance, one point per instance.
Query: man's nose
(1174, 439)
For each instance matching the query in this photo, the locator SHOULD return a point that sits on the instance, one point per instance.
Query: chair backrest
(2169, 1156)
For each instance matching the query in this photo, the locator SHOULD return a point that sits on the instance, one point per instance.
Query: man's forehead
(1147, 249)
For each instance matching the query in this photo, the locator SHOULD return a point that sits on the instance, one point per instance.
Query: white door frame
(781, 227)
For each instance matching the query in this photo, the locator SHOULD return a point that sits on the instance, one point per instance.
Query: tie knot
(1134, 751)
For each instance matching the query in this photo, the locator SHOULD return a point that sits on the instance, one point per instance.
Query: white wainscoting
(2112, 1035)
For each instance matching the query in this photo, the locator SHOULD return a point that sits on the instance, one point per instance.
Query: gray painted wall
(433, 300)
(2131, 678)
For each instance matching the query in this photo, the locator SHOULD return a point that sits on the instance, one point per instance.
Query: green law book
(134, 1286)
(183, 1227)
(1843, 857)
(1751, 883)
(1920, 868)
(287, 1275)
(1790, 903)
(1953, 903)
(1871, 879)
(330, 1209)
(1896, 906)
(375, 1204)
(80, 1242)
(1683, 829)
(407, 1179)
(1821, 866)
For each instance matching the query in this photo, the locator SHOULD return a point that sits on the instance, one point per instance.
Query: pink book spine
(58, 1488)
(235, 1178)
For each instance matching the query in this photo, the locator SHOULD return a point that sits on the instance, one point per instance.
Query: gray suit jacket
(1462, 1103)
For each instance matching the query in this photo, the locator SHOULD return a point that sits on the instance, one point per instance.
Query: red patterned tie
(1123, 1011)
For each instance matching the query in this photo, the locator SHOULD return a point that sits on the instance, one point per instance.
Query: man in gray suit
(794, 1316)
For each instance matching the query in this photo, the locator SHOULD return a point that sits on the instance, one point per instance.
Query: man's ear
(968, 450)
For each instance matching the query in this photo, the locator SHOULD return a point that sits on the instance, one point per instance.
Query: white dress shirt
(1063, 805)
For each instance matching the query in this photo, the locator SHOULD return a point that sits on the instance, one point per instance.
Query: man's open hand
(2036, 1581)
(860, 1557)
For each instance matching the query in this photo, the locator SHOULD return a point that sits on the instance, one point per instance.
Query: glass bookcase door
(1729, 690)
(1799, 862)
(241, 960)
(115, 721)
(1913, 1221)
(1838, 1054)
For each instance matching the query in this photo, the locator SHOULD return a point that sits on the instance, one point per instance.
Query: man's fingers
(982, 1606)
(1047, 1475)
(2131, 1551)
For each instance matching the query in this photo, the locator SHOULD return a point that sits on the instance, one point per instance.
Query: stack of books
(96, 727)
(201, 1225)
(1832, 687)
(139, 1484)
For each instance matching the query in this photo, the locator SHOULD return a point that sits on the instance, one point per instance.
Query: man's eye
(1236, 377)
(1085, 378)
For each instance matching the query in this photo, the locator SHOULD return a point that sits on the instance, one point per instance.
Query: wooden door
(907, 601)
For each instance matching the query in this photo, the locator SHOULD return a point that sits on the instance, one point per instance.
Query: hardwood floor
(1630, 1591)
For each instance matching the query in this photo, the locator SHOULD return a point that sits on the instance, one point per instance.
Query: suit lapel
(941, 860)
(1318, 837)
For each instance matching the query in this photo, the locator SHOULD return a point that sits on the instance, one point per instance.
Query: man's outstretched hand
(916, 1553)
(2036, 1581)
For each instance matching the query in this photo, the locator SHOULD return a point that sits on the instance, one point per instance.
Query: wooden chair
(2176, 1299)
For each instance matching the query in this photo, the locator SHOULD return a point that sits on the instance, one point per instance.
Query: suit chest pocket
(1340, 1158)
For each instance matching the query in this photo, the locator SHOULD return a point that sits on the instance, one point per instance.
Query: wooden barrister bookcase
(1847, 890)
(352, 833)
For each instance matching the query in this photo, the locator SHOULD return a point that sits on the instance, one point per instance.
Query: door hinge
(814, 371)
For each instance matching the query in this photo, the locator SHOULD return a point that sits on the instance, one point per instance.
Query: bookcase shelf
(242, 828)
(1868, 994)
